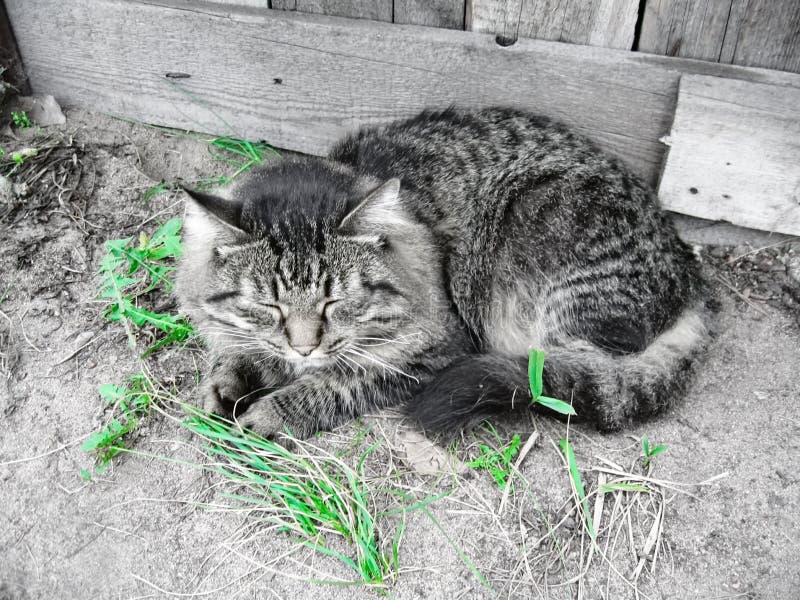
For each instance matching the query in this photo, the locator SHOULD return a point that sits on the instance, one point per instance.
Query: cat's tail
(609, 390)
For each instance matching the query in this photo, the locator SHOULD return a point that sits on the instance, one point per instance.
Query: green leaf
(555, 404)
(646, 445)
(112, 393)
(535, 370)
(657, 450)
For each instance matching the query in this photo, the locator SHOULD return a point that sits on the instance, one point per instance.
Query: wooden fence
(300, 73)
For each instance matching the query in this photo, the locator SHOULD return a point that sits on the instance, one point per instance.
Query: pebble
(6, 190)
(719, 252)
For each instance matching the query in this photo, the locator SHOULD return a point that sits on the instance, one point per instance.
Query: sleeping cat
(420, 262)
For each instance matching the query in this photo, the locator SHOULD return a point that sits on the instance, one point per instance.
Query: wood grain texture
(251, 3)
(769, 35)
(605, 23)
(760, 33)
(448, 14)
(735, 154)
(302, 81)
(376, 10)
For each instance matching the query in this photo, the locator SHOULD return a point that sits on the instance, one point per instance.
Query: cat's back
(439, 149)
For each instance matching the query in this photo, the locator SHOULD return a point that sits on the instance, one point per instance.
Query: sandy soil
(138, 531)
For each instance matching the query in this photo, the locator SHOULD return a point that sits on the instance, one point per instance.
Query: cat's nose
(304, 350)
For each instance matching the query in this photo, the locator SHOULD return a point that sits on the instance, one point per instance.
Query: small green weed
(497, 461)
(21, 119)
(650, 452)
(130, 403)
(535, 369)
(131, 270)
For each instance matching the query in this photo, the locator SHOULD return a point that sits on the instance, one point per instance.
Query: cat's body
(507, 232)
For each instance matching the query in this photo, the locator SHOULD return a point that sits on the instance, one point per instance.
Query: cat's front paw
(224, 393)
(262, 417)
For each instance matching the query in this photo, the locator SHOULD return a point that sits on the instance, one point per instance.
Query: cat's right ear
(224, 212)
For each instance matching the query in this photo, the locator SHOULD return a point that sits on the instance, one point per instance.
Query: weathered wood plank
(606, 23)
(760, 33)
(448, 14)
(499, 17)
(302, 81)
(377, 10)
(688, 28)
(251, 3)
(735, 154)
(769, 35)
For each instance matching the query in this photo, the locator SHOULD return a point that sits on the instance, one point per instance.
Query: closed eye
(327, 307)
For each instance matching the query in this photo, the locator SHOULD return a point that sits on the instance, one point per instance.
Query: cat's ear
(380, 213)
(224, 211)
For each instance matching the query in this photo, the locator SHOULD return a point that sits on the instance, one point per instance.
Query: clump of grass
(130, 270)
(242, 154)
(307, 492)
(497, 460)
(129, 403)
(21, 119)
(650, 452)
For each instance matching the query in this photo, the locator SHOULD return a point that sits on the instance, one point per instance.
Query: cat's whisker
(377, 361)
(341, 363)
(228, 333)
(266, 358)
(349, 361)
(382, 341)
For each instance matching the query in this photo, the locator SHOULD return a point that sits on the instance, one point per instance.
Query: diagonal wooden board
(735, 154)
(301, 81)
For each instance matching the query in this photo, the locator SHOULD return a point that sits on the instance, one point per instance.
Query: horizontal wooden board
(302, 81)
(735, 154)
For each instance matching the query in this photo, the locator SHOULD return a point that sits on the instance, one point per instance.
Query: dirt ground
(147, 528)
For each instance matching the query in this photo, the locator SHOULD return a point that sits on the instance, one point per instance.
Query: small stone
(569, 523)
(6, 190)
(719, 251)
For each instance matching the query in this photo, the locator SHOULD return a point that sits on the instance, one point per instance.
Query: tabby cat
(420, 262)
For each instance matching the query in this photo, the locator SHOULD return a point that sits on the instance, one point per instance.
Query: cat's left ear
(222, 210)
(380, 213)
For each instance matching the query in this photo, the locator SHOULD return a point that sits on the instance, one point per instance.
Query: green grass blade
(577, 484)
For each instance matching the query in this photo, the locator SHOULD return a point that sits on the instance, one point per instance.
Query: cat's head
(303, 261)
